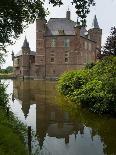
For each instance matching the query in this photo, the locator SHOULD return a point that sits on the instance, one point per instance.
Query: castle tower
(40, 69)
(95, 33)
(25, 59)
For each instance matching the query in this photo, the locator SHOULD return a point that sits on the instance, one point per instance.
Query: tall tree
(15, 15)
(110, 45)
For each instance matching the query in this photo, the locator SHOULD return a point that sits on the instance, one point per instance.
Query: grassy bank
(93, 87)
(11, 135)
(12, 131)
(6, 76)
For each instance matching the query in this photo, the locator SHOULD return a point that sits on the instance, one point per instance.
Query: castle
(61, 45)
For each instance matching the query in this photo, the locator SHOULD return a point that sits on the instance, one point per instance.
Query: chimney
(68, 14)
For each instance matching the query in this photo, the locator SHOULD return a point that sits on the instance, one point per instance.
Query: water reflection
(61, 127)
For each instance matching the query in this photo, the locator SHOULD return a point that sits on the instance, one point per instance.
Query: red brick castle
(61, 45)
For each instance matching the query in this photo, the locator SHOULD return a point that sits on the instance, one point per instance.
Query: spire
(95, 22)
(25, 43)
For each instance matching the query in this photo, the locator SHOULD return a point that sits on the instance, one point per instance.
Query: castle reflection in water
(56, 122)
(50, 118)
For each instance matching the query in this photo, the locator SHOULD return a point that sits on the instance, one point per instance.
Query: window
(52, 59)
(53, 42)
(66, 43)
(66, 59)
(66, 54)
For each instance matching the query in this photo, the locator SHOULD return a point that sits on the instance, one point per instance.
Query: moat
(62, 128)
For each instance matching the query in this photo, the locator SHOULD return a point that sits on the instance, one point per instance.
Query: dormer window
(61, 32)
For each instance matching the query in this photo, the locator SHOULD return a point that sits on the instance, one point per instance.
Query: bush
(94, 88)
(70, 81)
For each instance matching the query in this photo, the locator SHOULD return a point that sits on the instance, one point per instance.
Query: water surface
(62, 128)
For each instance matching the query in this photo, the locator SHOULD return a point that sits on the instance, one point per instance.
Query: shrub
(70, 81)
(94, 88)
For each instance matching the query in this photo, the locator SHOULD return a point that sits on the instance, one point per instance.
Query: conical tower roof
(25, 43)
(95, 22)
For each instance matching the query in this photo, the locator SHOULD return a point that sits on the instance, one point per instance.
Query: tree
(110, 45)
(9, 69)
(15, 15)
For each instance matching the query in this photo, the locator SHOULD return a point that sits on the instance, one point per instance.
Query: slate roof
(56, 24)
(25, 43)
(20, 53)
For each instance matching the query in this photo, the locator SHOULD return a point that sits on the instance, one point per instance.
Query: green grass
(11, 135)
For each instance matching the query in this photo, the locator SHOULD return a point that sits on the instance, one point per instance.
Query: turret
(95, 33)
(25, 59)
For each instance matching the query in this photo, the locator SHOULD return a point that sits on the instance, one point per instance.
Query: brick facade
(61, 45)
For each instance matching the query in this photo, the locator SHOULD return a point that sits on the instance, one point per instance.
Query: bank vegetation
(93, 87)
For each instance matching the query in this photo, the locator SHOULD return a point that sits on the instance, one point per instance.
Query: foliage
(70, 81)
(9, 69)
(110, 45)
(11, 131)
(15, 15)
(3, 95)
(89, 65)
(98, 86)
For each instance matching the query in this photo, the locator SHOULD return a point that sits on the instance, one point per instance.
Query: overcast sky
(104, 9)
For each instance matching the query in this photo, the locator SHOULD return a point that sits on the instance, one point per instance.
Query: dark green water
(62, 128)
